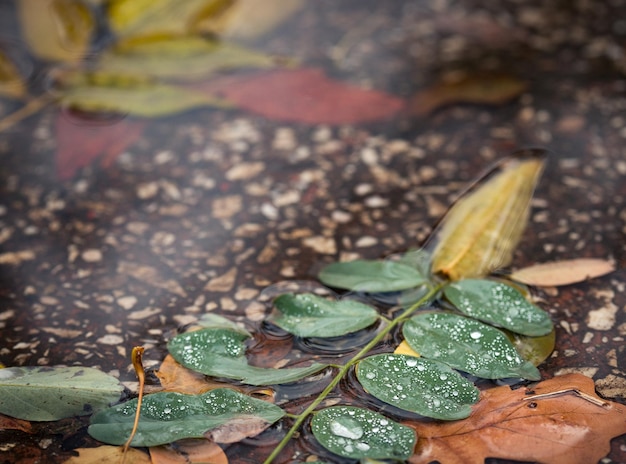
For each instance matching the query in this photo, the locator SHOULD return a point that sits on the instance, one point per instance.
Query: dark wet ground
(211, 207)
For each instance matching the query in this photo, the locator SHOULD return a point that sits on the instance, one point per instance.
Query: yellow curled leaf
(101, 92)
(11, 82)
(482, 229)
(58, 30)
(182, 58)
(132, 18)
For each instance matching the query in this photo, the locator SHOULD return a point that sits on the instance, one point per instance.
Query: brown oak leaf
(557, 421)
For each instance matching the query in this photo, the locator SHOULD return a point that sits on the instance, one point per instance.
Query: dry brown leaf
(10, 423)
(188, 452)
(481, 89)
(560, 420)
(151, 276)
(237, 429)
(565, 272)
(108, 455)
(482, 229)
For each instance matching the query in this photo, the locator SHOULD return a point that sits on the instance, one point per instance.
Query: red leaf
(80, 144)
(304, 95)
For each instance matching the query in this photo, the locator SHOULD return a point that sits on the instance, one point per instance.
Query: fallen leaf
(182, 58)
(11, 82)
(190, 451)
(150, 276)
(108, 455)
(557, 421)
(304, 95)
(56, 29)
(237, 429)
(10, 423)
(80, 144)
(565, 272)
(480, 89)
(483, 227)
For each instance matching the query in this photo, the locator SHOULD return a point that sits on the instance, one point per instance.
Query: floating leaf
(533, 349)
(190, 451)
(168, 416)
(80, 144)
(419, 385)
(304, 95)
(483, 228)
(108, 455)
(52, 393)
(11, 82)
(481, 89)
(358, 433)
(103, 92)
(467, 345)
(498, 304)
(309, 315)
(560, 420)
(220, 353)
(371, 276)
(56, 29)
(183, 58)
(565, 272)
(147, 17)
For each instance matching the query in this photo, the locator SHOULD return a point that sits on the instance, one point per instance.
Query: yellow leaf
(11, 82)
(182, 58)
(108, 455)
(58, 30)
(565, 272)
(482, 229)
(247, 19)
(404, 348)
(129, 18)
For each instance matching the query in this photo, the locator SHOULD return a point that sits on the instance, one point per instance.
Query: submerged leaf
(182, 58)
(358, 433)
(104, 92)
(56, 29)
(304, 95)
(221, 353)
(52, 393)
(466, 345)
(108, 455)
(498, 304)
(169, 416)
(482, 229)
(565, 272)
(533, 349)
(371, 276)
(560, 420)
(190, 451)
(423, 386)
(481, 89)
(11, 82)
(310, 315)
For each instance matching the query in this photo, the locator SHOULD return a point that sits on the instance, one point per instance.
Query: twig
(30, 108)
(569, 391)
(136, 355)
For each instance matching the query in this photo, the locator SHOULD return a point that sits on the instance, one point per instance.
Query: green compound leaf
(169, 416)
(419, 385)
(467, 345)
(220, 352)
(52, 393)
(371, 276)
(498, 304)
(358, 433)
(309, 315)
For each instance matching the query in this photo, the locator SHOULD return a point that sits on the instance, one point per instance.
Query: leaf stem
(30, 108)
(343, 370)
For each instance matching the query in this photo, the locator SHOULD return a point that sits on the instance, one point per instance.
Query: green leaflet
(220, 352)
(52, 393)
(466, 345)
(426, 387)
(183, 58)
(498, 304)
(309, 315)
(128, 94)
(169, 416)
(482, 229)
(371, 276)
(360, 433)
